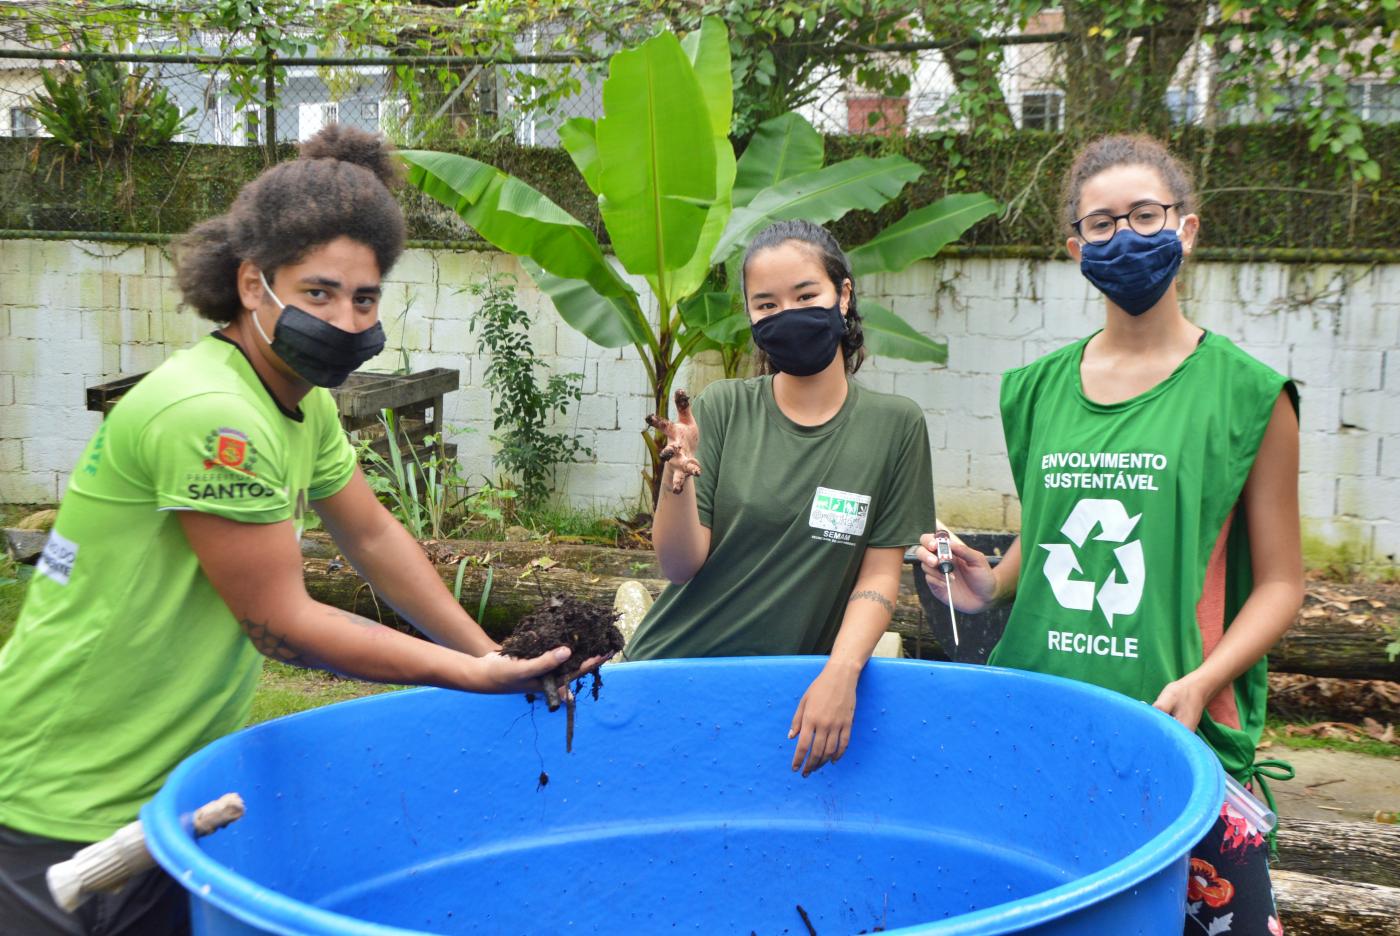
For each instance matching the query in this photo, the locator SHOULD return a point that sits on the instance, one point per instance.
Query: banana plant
(678, 206)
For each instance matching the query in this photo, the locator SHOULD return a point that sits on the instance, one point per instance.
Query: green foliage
(663, 170)
(102, 108)
(427, 494)
(524, 407)
(1301, 54)
(782, 51)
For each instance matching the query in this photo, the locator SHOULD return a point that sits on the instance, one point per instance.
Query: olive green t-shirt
(791, 510)
(125, 660)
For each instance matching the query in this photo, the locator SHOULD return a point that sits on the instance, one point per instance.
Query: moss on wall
(1260, 187)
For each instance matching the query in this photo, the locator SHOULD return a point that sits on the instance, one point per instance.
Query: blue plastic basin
(971, 800)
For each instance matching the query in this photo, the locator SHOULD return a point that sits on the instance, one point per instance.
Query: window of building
(23, 123)
(1183, 105)
(1375, 101)
(1042, 110)
(312, 117)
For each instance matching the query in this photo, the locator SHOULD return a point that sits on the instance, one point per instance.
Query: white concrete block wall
(75, 314)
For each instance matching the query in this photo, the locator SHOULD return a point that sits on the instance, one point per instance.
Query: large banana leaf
(819, 197)
(920, 233)
(514, 217)
(782, 147)
(888, 335)
(579, 137)
(656, 145)
(609, 321)
(708, 49)
(714, 314)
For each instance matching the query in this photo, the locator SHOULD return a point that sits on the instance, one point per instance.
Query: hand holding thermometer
(945, 564)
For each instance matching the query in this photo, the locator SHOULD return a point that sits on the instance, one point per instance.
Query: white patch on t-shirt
(56, 561)
(839, 511)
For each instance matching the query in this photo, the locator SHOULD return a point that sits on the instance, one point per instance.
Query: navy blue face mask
(801, 341)
(1132, 270)
(317, 351)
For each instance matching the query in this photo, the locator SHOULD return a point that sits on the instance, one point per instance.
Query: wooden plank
(378, 392)
(102, 397)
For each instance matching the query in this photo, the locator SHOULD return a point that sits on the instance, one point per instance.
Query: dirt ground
(1336, 784)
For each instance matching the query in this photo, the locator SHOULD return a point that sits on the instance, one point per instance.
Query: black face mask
(802, 341)
(317, 351)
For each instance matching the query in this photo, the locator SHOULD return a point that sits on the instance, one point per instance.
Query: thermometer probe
(945, 564)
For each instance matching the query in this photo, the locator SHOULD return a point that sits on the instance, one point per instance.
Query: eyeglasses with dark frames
(1146, 218)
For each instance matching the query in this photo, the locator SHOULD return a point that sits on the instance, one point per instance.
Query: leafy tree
(678, 206)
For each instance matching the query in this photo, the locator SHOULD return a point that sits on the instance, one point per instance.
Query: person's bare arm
(822, 722)
(383, 552)
(681, 541)
(1270, 500)
(256, 569)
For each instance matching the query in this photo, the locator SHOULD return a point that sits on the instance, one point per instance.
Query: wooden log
(1314, 905)
(1348, 646)
(592, 573)
(1360, 852)
(515, 591)
(581, 557)
(1345, 645)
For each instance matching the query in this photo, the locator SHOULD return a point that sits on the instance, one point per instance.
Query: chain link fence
(425, 101)
(412, 101)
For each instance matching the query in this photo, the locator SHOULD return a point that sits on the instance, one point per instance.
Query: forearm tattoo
(870, 594)
(275, 646)
(272, 644)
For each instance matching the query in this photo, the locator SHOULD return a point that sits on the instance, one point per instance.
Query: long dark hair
(338, 186)
(838, 269)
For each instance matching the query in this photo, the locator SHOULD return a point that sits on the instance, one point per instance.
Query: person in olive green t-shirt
(174, 567)
(807, 489)
(1157, 466)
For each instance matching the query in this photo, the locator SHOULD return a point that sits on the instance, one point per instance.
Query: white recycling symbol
(1114, 597)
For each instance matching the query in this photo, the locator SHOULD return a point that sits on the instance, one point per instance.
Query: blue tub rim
(170, 839)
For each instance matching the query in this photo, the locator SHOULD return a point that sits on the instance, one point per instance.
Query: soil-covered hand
(974, 582)
(822, 723)
(682, 442)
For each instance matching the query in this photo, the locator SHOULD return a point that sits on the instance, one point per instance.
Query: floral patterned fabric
(1229, 889)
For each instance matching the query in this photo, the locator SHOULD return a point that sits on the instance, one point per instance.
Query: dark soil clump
(585, 628)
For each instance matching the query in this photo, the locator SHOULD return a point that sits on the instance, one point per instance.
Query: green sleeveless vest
(1121, 506)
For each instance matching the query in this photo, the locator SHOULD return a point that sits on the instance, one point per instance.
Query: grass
(285, 690)
(1274, 731)
(563, 524)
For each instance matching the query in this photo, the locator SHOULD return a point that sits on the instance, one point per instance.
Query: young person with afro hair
(174, 567)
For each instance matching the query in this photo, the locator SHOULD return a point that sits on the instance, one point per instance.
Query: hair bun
(358, 147)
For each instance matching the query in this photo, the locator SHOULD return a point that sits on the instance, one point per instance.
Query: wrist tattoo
(870, 594)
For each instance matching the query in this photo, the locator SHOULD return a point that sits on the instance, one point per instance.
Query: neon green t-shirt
(1122, 505)
(124, 659)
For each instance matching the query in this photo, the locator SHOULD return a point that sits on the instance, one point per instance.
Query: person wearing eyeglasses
(1157, 466)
